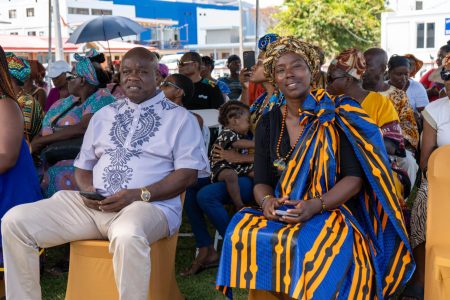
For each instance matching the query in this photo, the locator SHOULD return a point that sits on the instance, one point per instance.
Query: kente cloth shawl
(32, 115)
(18, 67)
(259, 108)
(337, 254)
(85, 68)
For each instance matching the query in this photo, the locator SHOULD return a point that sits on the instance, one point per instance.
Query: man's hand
(231, 156)
(93, 204)
(304, 209)
(118, 201)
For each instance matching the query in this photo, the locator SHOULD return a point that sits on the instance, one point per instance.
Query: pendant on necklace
(279, 164)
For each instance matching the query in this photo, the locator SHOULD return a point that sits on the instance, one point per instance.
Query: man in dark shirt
(206, 93)
(234, 64)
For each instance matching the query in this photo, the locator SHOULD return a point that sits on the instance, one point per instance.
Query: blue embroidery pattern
(118, 174)
(166, 104)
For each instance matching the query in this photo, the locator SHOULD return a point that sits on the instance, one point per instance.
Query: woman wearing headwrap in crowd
(271, 98)
(32, 85)
(161, 74)
(19, 69)
(344, 78)
(68, 118)
(436, 133)
(18, 180)
(321, 160)
(433, 88)
(398, 71)
(210, 199)
(417, 94)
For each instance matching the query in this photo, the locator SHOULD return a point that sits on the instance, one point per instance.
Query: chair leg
(217, 237)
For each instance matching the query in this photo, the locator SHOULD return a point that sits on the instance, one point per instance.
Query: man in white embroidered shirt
(140, 153)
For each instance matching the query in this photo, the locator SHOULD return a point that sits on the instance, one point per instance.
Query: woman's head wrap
(18, 67)
(352, 62)
(163, 70)
(398, 61)
(417, 64)
(85, 68)
(267, 40)
(92, 53)
(290, 44)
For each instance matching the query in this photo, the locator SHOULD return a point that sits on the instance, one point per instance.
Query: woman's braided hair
(231, 109)
(6, 87)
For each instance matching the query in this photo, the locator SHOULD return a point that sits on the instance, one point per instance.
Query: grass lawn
(198, 287)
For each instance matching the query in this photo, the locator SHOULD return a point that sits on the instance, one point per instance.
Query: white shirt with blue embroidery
(129, 146)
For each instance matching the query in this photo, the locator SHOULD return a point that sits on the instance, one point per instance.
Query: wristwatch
(145, 194)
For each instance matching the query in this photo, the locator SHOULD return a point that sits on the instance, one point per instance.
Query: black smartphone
(92, 195)
(249, 59)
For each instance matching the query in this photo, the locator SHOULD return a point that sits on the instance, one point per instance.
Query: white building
(417, 27)
(31, 17)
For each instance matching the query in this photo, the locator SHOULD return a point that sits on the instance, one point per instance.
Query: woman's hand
(304, 209)
(37, 145)
(244, 77)
(270, 205)
(231, 156)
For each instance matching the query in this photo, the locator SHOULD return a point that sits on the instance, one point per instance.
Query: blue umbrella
(105, 28)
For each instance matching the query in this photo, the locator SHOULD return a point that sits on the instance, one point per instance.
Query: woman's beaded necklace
(280, 162)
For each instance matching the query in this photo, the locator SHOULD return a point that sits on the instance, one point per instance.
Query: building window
(12, 14)
(41, 33)
(425, 35)
(419, 5)
(99, 12)
(14, 33)
(78, 11)
(32, 33)
(30, 12)
(430, 35)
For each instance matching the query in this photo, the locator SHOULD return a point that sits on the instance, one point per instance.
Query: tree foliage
(334, 25)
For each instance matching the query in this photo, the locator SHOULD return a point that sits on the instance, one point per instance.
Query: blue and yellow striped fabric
(343, 254)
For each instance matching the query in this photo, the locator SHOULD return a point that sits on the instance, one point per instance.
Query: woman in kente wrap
(346, 237)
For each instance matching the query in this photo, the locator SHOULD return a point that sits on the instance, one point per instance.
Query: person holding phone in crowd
(150, 154)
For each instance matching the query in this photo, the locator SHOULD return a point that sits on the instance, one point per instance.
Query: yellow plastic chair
(2, 288)
(437, 269)
(91, 275)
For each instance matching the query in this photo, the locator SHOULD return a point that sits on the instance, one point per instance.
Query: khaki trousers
(64, 218)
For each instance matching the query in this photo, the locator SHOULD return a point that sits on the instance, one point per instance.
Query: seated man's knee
(15, 218)
(126, 240)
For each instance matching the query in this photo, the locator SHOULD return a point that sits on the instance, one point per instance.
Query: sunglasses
(70, 76)
(184, 63)
(168, 83)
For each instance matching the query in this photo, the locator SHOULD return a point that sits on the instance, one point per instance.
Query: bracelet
(324, 207)
(264, 199)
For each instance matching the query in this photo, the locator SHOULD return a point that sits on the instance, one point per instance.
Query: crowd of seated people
(310, 159)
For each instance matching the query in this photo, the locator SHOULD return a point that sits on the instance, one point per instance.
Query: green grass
(198, 287)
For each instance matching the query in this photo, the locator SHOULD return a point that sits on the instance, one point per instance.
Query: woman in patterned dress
(68, 118)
